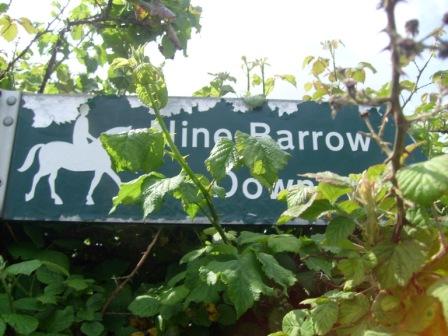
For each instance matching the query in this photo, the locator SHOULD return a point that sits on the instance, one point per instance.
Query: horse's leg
(95, 181)
(51, 182)
(30, 195)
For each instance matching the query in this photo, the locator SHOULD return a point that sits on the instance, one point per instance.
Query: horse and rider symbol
(85, 153)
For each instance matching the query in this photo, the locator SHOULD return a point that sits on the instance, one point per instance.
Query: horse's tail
(30, 157)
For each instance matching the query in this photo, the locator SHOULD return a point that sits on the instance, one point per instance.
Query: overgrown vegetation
(379, 268)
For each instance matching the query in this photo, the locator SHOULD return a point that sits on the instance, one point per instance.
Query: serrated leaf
(352, 310)
(299, 199)
(353, 270)
(425, 182)
(150, 86)
(275, 271)
(61, 320)
(94, 328)
(439, 290)
(332, 192)
(398, 262)
(223, 158)
(155, 191)
(24, 267)
(324, 316)
(139, 150)
(78, 284)
(144, 306)
(292, 322)
(339, 229)
(283, 243)
(22, 324)
(262, 156)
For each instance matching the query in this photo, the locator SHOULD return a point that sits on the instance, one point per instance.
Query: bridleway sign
(53, 167)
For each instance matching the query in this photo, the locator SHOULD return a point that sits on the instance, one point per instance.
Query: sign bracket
(9, 108)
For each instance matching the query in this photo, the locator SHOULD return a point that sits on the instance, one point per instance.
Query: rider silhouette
(81, 135)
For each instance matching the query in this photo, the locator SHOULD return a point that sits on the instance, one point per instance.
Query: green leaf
(407, 85)
(256, 80)
(78, 284)
(55, 261)
(319, 66)
(136, 150)
(319, 264)
(275, 271)
(398, 262)
(330, 178)
(174, 295)
(155, 191)
(283, 243)
(299, 199)
(61, 320)
(307, 60)
(22, 324)
(352, 310)
(8, 29)
(269, 86)
(150, 86)
(339, 229)
(24, 267)
(131, 192)
(324, 316)
(223, 158)
(262, 156)
(144, 306)
(353, 270)
(291, 79)
(332, 192)
(425, 182)
(27, 25)
(292, 322)
(439, 290)
(92, 328)
(2, 327)
(367, 65)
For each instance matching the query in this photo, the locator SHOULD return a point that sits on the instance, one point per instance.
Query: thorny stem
(401, 124)
(132, 274)
(214, 219)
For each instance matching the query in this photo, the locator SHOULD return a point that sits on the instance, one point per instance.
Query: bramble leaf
(144, 306)
(324, 316)
(275, 271)
(223, 158)
(262, 156)
(439, 290)
(24, 267)
(150, 86)
(155, 191)
(339, 229)
(140, 150)
(94, 328)
(293, 321)
(425, 182)
(398, 262)
(22, 324)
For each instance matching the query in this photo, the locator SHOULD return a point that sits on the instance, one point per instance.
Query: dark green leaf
(61, 320)
(283, 243)
(24, 267)
(275, 271)
(22, 324)
(338, 230)
(92, 328)
(144, 306)
(139, 150)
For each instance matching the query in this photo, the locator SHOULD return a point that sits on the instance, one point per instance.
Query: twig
(133, 272)
(52, 60)
(419, 75)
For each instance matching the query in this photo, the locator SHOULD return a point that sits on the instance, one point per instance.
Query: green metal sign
(58, 171)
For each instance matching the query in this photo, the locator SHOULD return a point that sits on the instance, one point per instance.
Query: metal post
(9, 109)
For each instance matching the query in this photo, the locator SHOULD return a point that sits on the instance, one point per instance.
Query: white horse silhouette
(59, 154)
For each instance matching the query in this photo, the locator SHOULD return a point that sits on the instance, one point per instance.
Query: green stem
(262, 79)
(180, 159)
